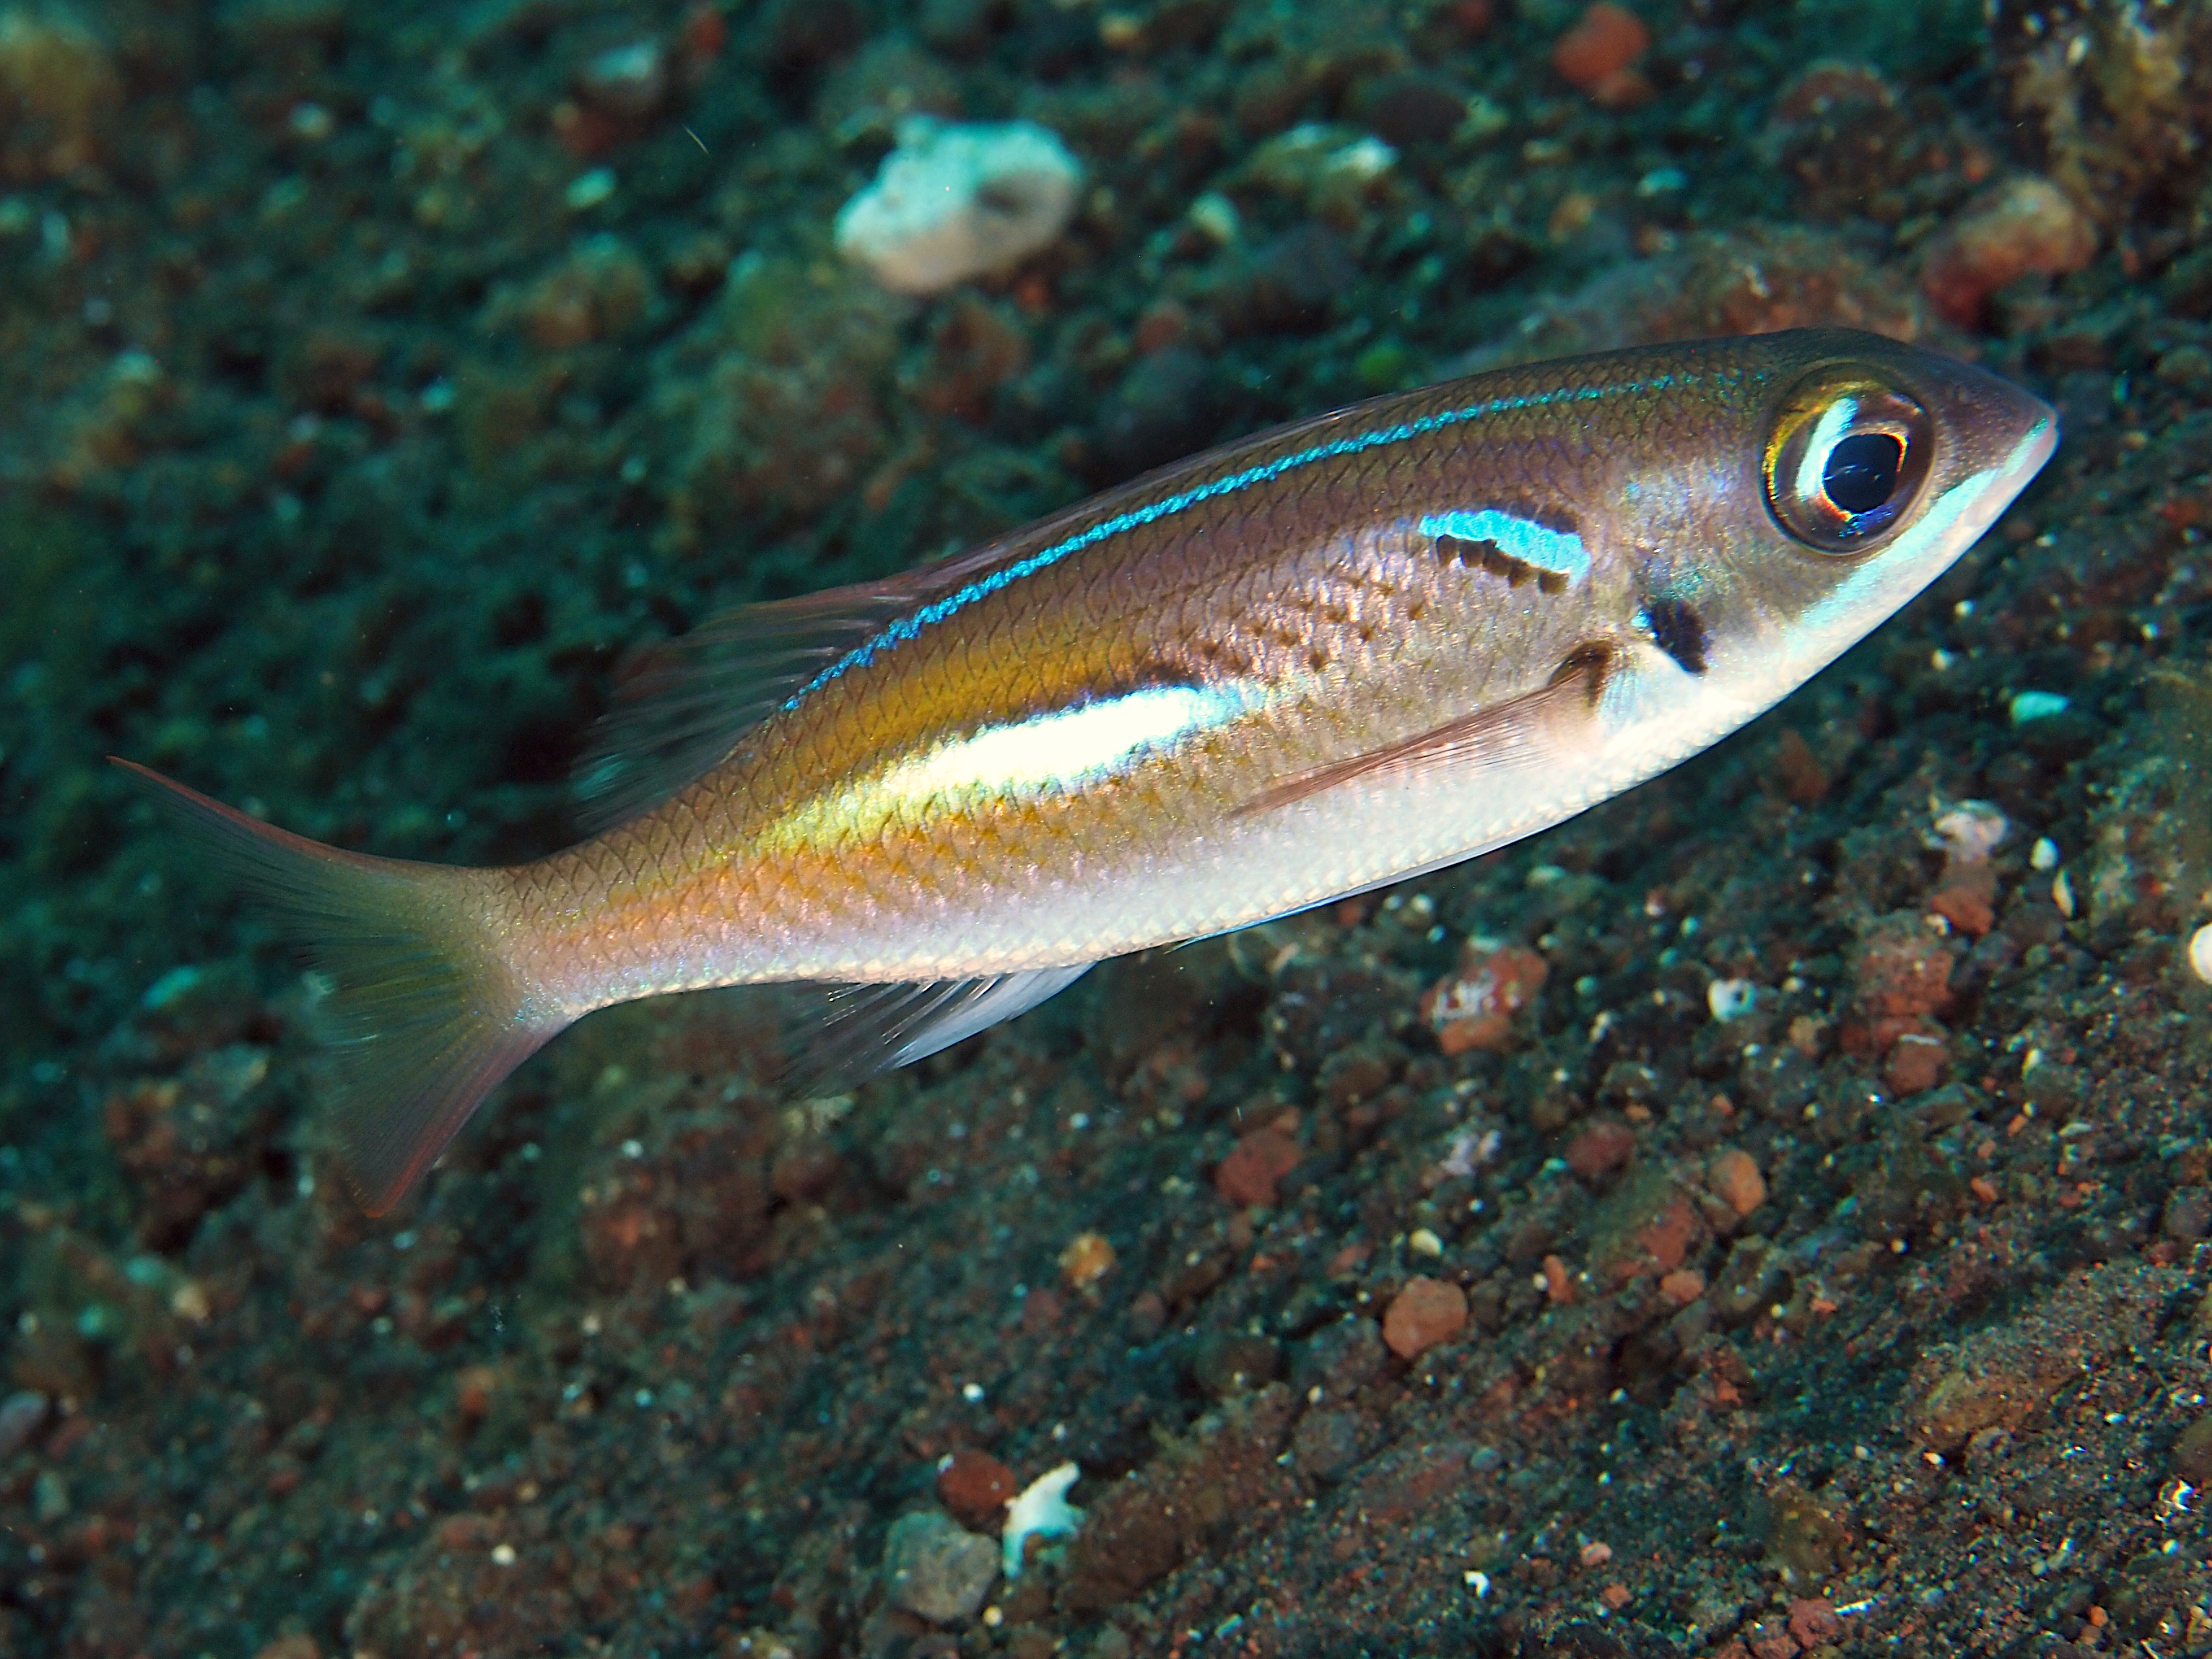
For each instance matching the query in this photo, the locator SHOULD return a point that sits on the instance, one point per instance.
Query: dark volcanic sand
(358, 426)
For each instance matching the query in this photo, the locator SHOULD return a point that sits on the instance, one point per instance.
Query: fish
(1301, 667)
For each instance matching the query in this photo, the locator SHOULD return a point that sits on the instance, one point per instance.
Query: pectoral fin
(1519, 731)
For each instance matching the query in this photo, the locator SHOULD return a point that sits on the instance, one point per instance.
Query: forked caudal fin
(419, 1019)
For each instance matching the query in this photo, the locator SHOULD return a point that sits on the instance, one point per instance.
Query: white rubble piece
(956, 199)
(1042, 1509)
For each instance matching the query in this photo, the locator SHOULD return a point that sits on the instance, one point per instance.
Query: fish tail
(420, 1014)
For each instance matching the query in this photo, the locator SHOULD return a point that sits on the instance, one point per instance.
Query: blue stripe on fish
(909, 627)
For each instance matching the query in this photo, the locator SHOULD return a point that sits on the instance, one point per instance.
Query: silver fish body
(1306, 665)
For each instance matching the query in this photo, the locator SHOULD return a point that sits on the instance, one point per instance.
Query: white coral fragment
(955, 200)
(1041, 1510)
(1972, 830)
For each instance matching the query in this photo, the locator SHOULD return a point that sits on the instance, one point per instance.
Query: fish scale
(1301, 667)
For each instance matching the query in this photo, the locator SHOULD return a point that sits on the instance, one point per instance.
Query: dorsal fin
(684, 711)
(680, 715)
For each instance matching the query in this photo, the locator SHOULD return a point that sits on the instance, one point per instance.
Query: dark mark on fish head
(1676, 628)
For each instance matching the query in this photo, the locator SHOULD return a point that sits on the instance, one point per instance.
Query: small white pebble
(2062, 895)
(1422, 1242)
(2038, 706)
(1972, 830)
(1363, 159)
(2200, 953)
(2045, 855)
(503, 1555)
(1731, 999)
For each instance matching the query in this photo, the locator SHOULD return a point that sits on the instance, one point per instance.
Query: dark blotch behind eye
(1862, 472)
(1677, 630)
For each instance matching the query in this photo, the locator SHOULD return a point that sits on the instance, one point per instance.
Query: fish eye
(1847, 458)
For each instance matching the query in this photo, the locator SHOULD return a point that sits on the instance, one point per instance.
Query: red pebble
(1426, 1312)
(1903, 970)
(1248, 1175)
(974, 1487)
(1964, 910)
(2025, 227)
(1474, 1007)
(1597, 56)
(1813, 1621)
(1915, 1064)
(1601, 1149)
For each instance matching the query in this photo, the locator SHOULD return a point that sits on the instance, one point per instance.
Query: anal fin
(877, 1028)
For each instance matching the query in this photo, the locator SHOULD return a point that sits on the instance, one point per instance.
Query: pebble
(1734, 1177)
(22, 1414)
(1426, 1312)
(588, 190)
(1915, 1064)
(2028, 226)
(975, 1486)
(1597, 56)
(1473, 1008)
(2038, 706)
(1248, 1175)
(1226, 1364)
(1973, 830)
(2200, 953)
(1601, 1149)
(2192, 1452)
(1088, 1258)
(1327, 1444)
(936, 1569)
(1731, 999)
(630, 80)
(956, 199)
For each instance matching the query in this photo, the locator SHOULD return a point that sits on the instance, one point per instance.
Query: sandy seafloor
(377, 378)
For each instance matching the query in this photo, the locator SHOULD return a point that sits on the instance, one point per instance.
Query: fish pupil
(1860, 474)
